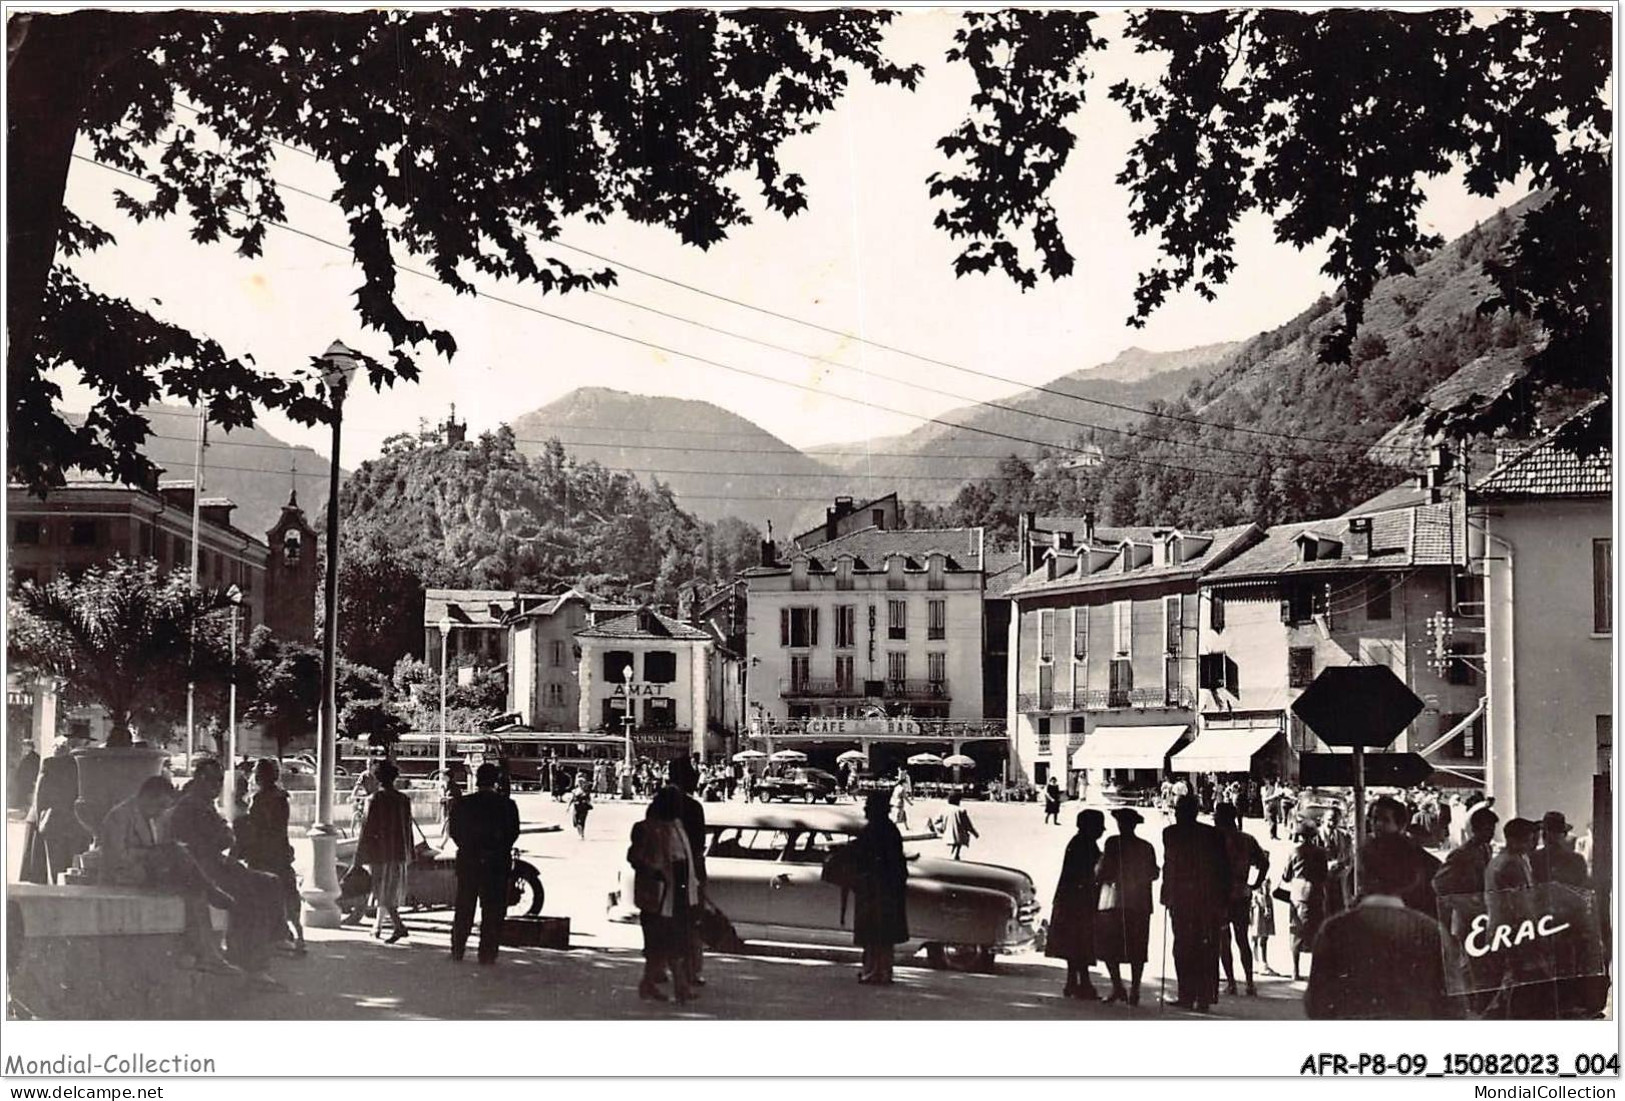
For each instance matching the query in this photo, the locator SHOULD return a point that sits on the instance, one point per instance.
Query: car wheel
(525, 893)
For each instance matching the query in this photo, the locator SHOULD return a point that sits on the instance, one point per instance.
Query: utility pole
(197, 516)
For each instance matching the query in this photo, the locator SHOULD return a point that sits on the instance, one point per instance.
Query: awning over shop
(1227, 750)
(1127, 746)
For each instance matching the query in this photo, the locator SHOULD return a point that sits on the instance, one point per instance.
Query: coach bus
(530, 756)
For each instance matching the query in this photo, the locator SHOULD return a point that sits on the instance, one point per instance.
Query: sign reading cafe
(855, 728)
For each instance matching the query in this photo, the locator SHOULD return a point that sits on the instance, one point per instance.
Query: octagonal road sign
(1357, 705)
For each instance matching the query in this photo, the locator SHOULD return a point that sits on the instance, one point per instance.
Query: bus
(529, 756)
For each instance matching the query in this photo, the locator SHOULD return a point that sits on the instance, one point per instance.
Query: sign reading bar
(856, 728)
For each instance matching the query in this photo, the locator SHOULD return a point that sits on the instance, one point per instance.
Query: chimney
(843, 507)
(1024, 548)
(1051, 563)
(770, 552)
(1089, 526)
(832, 523)
(1360, 537)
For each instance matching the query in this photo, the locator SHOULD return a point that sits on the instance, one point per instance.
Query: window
(1301, 601)
(800, 672)
(843, 574)
(894, 573)
(1046, 635)
(292, 547)
(660, 666)
(1170, 680)
(1173, 621)
(936, 670)
(877, 516)
(1602, 581)
(1303, 739)
(896, 620)
(936, 628)
(846, 627)
(556, 657)
(1080, 634)
(843, 673)
(1122, 683)
(660, 714)
(1300, 666)
(555, 695)
(896, 668)
(798, 627)
(615, 713)
(1046, 687)
(1605, 745)
(936, 572)
(1379, 598)
(29, 533)
(1123, 627)
(615, 663)
(82, 533)
(1216, 612)
(1043, 735)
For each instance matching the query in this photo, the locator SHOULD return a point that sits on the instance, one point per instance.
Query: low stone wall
(302, 808)
(104, 953)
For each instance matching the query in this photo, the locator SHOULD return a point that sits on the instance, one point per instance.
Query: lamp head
(339, 365)
(445, 626)
(626, 674)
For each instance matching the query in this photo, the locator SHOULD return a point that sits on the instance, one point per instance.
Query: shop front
(887, 744)
(1125, 763)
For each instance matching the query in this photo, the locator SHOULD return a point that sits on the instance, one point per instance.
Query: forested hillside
(1306, 435)
(482, 514)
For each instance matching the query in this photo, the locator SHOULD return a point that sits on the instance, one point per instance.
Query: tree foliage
(1328, 122)
(125, 636)
(504, 124)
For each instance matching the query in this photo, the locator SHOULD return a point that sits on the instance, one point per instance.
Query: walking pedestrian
(1077, 899)
(957, 826)
(580, 805)
(386, 849)
(1307, 871)
(1382, 960)
(1196, 890)
(360, 792)
(262, 843)
(485, 826)
(902, 794)
(1052, 802)
(880, 889)
(1243, 854)
(451, 790)
(253, 918)
(666, 892)
(1128, 866)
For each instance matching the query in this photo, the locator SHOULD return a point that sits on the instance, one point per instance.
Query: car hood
(969, 873)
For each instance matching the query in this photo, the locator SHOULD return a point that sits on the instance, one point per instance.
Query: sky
(863, 259)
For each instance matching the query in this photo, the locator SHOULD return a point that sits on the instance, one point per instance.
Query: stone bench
(98, 952)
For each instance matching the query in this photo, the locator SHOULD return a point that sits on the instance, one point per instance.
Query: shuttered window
(1080, 633)
(1602, 586)
(1300, 666)
(1046, 635)
(1123, 627)
(1173, 619)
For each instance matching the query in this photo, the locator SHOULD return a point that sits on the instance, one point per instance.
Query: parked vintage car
(807, 785)
(431, 880)
(766, 874)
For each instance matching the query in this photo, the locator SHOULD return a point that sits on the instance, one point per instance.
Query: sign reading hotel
(854, 728)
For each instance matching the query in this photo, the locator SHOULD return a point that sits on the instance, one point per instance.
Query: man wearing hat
(1556, 861)
(485, 826)
(1195, 888)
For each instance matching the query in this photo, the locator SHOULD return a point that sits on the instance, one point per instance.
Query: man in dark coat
(485, 826)
(872, 865)
(53, 834)
(692, 816)
(1195, 887)
(1389, 818)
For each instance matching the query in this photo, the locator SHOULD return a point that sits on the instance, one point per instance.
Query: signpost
(1336, 770)
(1362, 707)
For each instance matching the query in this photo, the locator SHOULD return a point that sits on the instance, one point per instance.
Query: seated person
(132, 856)
(254, 917)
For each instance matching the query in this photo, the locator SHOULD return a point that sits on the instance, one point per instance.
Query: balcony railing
(934, 729)
(823, 688)
(1106, 699)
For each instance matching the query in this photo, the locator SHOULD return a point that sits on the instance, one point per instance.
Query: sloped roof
(1424, 535)
(818, 529)
(644, 624)
(1223, 544)
(1077, 525)
(871, 545)
(1003, 570)
(473, 607)
(1576, 460)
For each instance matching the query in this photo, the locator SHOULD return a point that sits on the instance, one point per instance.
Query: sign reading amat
(639, 690)
(857, 728)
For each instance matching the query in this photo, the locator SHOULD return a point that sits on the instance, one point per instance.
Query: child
(1263, 903)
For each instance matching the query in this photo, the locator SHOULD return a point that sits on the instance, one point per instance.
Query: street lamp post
(626, 675)
(322, 911)
(229, 792)
(445, 644)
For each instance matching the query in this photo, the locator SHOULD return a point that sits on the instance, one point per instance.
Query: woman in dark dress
(1072, 915)
(386, 849)
(52, 834)
(1307, 871)
(262, 842)
(1052, 802)
(1127, 868)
